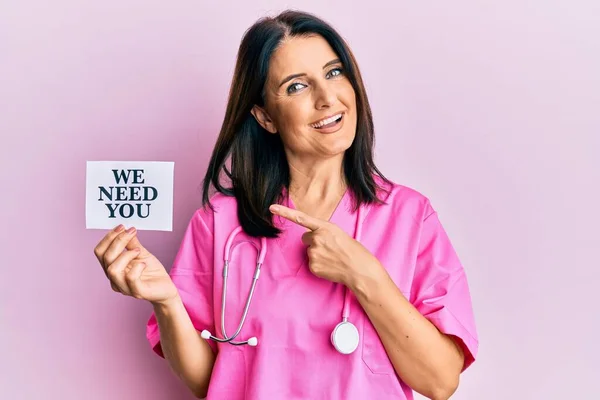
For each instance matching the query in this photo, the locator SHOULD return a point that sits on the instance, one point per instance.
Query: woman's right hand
(132, 270)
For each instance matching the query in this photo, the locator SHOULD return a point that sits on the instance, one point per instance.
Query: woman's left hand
(332, 254)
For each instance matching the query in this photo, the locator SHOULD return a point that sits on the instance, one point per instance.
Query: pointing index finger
(296, 216)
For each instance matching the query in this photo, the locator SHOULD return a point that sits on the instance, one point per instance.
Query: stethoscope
(344, 336)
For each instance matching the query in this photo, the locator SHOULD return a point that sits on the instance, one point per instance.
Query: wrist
(367, 281)
(167, 304)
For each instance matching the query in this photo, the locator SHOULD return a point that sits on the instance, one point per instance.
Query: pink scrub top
(293, 312)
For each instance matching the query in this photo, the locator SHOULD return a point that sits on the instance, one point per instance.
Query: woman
(360, 296)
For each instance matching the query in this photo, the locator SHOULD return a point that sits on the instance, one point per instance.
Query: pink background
(491, 109)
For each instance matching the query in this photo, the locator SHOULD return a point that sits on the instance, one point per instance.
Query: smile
(330, 124)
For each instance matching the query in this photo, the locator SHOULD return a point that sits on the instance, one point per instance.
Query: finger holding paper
(132, 270)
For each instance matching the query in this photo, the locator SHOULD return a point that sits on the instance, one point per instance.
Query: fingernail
(119, 228)
(131, 230)
(137, 249)
(274, 208)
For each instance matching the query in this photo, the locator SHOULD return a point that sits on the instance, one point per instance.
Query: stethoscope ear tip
(205, 334)
(253, 341)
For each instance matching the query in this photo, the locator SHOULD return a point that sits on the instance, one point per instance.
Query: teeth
(326, 121)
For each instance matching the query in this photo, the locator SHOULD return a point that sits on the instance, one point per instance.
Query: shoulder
(402, 200)
(221, 205)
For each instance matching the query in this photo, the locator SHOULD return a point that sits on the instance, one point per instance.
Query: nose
(325, 96)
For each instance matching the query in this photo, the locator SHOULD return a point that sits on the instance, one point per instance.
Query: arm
(428, 361)
(188, 355)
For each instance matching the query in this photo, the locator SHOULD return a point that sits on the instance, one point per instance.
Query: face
(307, 84)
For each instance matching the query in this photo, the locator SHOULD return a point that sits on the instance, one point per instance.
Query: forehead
(300, 54)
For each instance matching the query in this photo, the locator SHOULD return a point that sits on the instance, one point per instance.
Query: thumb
(133, 279)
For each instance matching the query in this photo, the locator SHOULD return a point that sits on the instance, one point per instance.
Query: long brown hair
(259, 169)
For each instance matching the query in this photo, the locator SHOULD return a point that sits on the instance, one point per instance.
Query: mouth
(329, 125)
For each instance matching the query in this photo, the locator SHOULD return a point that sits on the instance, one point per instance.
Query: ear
(262, 117)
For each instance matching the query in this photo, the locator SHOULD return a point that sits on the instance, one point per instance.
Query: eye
(333, 72)
(291, 89)
(340, 71)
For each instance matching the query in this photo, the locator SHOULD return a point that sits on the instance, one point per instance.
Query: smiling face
(306, 84)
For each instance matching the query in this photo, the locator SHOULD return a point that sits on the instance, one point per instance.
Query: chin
(340, 145)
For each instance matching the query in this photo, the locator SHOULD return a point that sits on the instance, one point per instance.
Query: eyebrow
(290, 77)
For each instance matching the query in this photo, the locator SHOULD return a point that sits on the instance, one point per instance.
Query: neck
(319, 183)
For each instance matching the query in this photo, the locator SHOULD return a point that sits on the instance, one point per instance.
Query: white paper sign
(132, 193)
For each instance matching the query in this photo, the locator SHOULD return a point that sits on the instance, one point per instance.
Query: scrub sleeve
(192, 274)
(440, 290)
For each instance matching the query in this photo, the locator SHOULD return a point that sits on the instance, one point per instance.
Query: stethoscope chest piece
(345, 337)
